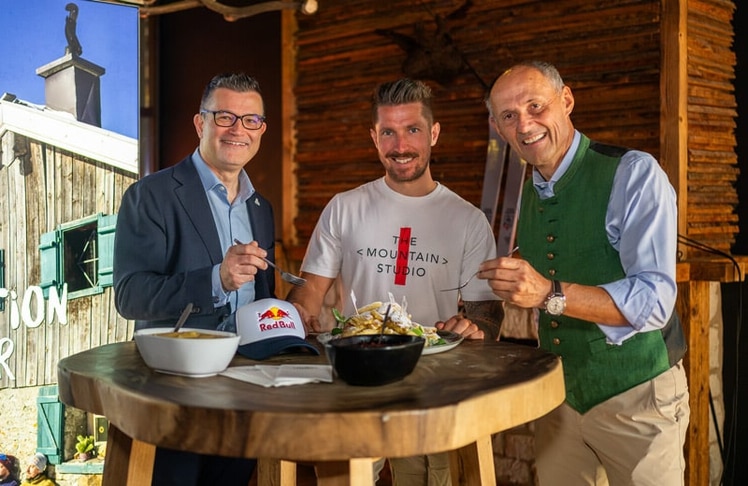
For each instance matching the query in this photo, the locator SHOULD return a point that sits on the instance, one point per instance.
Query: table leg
(473, 464)
(355, 472)
(128, 462)
(276, 472)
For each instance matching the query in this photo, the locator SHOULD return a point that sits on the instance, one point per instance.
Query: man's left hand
(461, 325)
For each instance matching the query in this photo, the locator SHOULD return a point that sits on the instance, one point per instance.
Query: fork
(462, 285)
(287, 276)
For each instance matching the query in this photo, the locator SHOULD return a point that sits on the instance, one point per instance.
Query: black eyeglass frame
(236, 117)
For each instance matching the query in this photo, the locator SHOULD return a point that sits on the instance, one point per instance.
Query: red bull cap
(268, 327)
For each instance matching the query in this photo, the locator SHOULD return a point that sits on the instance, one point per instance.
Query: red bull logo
(277, 317)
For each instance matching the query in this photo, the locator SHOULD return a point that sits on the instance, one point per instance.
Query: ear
(198, 121)
(567, 99)
(495, 125)
(435, 131)
(374, 138)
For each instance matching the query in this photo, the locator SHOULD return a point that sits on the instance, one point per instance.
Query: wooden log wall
(609, 52)
(712, 108)
(39, 191)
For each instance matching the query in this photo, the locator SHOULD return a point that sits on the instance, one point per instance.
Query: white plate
(452, 340)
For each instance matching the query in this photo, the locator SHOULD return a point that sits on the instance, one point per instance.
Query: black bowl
(370, 360)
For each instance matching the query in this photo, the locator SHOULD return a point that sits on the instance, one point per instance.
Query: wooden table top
(449, 400)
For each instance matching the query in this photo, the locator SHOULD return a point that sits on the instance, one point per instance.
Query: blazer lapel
(261, 227)
(191, 195)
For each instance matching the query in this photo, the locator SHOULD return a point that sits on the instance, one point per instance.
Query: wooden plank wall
(712, 108)
(609, 53)
(45, 188)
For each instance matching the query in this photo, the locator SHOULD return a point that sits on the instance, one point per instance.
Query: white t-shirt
(380, 241)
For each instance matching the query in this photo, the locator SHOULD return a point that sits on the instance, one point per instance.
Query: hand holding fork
(287, 276)
(462, 285)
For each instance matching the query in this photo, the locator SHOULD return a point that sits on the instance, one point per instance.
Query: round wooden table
(453, 401)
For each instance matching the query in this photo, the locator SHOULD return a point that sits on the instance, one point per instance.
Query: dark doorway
(734, 295)
(193, 46)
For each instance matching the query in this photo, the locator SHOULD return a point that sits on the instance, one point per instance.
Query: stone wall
(18, 433)
(715, 382)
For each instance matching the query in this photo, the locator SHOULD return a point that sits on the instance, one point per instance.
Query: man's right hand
(240, 265)
(308, 300)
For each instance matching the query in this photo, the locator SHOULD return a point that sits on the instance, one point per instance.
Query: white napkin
(280, 375)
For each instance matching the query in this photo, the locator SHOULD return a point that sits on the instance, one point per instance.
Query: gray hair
(401, 92)
(547, 69)
(239, 82)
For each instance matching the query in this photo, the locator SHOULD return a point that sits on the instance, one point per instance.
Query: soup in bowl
(189, 352)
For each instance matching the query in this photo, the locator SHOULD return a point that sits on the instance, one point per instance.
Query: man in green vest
(597, 232)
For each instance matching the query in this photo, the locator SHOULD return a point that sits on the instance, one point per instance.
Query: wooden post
(693, 308)
(674, 102)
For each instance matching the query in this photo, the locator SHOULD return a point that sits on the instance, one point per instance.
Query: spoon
(183, 317)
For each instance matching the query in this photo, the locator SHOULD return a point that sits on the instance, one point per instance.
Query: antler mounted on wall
(432, 53)
(230, 13)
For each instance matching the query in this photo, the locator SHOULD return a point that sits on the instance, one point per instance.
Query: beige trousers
(430, 470)
(634, 439)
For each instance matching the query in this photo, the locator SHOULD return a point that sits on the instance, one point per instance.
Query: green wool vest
(564, 238)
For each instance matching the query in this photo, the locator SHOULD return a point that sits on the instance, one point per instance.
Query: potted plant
(85, 448)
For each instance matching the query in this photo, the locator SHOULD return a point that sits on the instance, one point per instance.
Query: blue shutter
(49, 432)
(50, 262)
(105, 228)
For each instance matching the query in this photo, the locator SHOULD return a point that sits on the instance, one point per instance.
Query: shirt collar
(210, 181)
(544, 186)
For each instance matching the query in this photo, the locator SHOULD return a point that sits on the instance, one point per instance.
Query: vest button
(554, 324)
(552, 272)
(556, 341)
(550, 255)
(550, 238)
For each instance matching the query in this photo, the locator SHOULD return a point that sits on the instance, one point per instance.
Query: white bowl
(194, 357)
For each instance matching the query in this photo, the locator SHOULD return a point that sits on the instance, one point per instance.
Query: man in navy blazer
(166, 246)
(175, 245)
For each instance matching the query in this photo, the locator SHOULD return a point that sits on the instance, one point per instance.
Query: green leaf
(340, 318)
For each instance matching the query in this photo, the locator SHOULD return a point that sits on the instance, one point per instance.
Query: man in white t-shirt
(408, 235)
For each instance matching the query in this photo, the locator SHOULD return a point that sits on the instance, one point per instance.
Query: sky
(32, 34)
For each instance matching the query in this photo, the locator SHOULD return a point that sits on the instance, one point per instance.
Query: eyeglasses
(250, 121)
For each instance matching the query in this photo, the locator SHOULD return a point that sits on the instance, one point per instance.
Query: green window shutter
(105, 228)
(49, 433)
(50, 262)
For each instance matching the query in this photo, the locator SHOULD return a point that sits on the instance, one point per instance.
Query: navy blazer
(166, 245)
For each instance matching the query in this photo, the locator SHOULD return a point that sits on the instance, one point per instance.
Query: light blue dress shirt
(232, 222)
(642, 225)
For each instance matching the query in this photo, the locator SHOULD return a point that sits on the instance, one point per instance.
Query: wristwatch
(555, 303)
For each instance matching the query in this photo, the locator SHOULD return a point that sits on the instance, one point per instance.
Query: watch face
(556, 305)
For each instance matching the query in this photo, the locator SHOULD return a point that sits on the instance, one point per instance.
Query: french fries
(368, 320)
